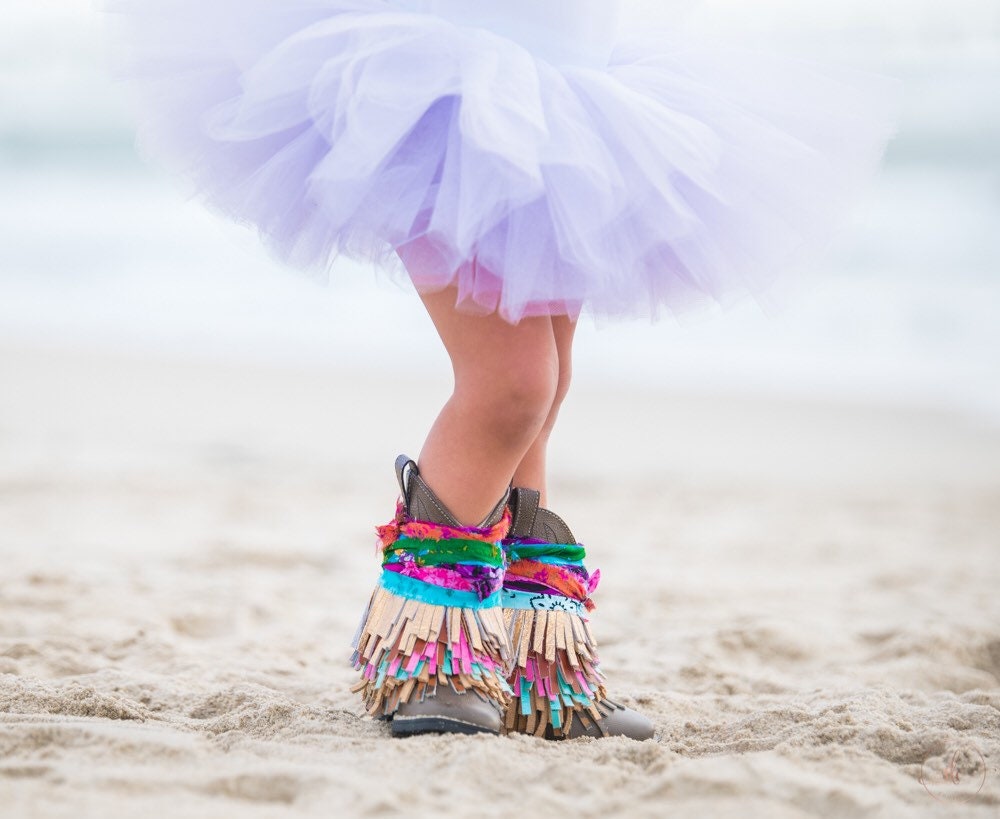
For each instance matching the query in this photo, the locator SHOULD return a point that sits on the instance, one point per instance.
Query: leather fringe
(556, 678)
(406, 648)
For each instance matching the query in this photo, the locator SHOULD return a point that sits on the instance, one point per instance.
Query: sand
(803, 596)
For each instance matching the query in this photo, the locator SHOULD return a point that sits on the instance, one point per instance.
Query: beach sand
(803, 596)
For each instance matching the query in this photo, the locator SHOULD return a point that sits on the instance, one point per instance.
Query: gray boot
(556, 679)
(433, 656)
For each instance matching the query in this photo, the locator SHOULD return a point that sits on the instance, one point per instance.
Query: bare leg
(530, 473)
(506, 379)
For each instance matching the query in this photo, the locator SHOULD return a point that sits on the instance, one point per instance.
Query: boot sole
(413, 726)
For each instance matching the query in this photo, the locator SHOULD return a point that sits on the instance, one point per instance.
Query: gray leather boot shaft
(532, 521)
(422, 504)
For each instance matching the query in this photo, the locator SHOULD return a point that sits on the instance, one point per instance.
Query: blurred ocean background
(99, 249)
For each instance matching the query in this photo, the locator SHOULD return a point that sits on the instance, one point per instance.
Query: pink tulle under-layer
(672, 176)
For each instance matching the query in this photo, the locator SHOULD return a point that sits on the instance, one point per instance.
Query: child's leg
(530, 473)
(433, 647)
(552, 621)
(506, 380)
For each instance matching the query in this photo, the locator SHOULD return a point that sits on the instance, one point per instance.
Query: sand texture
(804, 597)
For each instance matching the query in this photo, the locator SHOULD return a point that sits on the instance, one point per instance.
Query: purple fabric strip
(483, 580)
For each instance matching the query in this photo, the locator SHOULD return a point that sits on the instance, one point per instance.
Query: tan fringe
(395, 627)
(556, 641)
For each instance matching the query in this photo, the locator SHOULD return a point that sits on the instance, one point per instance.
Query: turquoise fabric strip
(513, 599)
(413, 589)
(558, 561)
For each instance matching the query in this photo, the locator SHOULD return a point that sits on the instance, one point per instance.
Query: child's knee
(527, 400)
(518, 399)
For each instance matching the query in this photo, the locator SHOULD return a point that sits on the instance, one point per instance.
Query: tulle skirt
(544, 162)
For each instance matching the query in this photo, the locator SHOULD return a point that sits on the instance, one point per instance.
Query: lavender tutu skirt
(540, 157)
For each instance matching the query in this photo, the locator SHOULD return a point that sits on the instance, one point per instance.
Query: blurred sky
(97, 248)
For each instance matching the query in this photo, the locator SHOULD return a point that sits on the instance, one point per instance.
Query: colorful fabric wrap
(556, 677)
(550, 569)
(435, 617)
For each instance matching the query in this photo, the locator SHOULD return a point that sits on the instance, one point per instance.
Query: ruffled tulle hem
(674, 176)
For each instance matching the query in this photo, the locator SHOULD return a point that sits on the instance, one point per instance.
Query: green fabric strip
(561, 551)
(450, 552)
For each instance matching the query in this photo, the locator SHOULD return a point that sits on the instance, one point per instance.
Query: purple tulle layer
(672, 176)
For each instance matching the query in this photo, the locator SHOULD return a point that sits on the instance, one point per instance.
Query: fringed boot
(432, 647)
(556, 680)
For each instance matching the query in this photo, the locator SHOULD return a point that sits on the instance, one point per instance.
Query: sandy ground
(804, 597)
